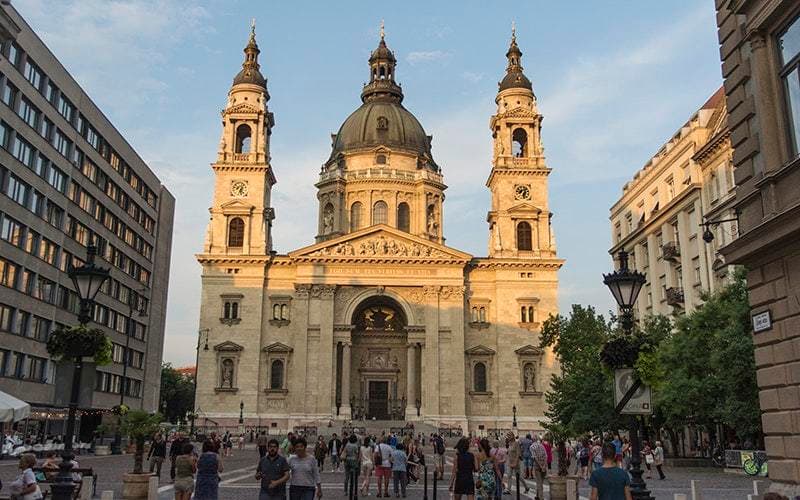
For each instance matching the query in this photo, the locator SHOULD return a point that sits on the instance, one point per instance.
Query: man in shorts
(383, 467)
(438, 455)
(527, 459)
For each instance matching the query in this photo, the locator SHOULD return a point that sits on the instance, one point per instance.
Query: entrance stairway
(377, 427)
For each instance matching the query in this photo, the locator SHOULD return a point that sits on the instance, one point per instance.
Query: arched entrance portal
(379, 350)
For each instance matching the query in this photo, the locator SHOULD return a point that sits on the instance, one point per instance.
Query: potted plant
(559, 434)
(138, 425)
(75, 342)
(100, 432)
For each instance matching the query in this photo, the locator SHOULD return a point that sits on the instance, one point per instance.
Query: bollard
(435, 486)
(518, 489)
(680, 496)
(572, 489)
(87, 487)
(354, 483)
(756, 488)
(696, 495)
(152, 488)
(107, 495)
(425, 483)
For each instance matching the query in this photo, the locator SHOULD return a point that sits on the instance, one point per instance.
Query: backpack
(597, 456)
(438, 446)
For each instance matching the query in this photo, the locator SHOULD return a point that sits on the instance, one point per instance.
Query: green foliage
(177, 393)
(80, 341)
(139, 425)
(709, 359)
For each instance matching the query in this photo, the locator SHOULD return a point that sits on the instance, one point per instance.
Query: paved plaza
(238, 481)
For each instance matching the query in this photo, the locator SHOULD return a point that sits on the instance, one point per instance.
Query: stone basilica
(378, 319)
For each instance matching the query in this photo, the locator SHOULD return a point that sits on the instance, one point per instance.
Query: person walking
(527, 460)
(416, 461)
(261, 442)
(209, 467)
(241, 442)
(583, 459)
(609, 481)
(658, 460)
(304, 480)
(335, 448)
(287, 445)
(487, 471)
(462, 482)
(513, 461)
(185, 467)
(273, 472)
(438, 455)
(367, 454)
(352, 466)
(383, 466)
(399, 463)
(647, 455)
(548, 449)
(320, 452)
(499, 455)
(157, 454)
(227, 444)
(596, 455)
(175, 450)
(539, 455)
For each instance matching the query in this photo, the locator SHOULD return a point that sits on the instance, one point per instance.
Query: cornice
(490, 262)
(715, 144)
(205, 258)
(381, 260)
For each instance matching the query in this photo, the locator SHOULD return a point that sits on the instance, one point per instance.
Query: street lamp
(514, 412)
(200, 333)
(241, 413)
(625, 285)
(136, 303)
(87, 280)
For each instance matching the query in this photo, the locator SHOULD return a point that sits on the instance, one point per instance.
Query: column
(344, 410)
(411, 382)
(326, 373)
(296, 382)
(430, 390)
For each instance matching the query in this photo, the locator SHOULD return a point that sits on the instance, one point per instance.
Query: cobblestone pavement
(238, 481)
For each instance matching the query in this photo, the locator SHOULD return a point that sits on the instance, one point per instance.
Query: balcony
(675, 296)
(670, 251)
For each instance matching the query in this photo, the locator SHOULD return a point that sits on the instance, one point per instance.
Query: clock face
(522, 192)
(239, 189)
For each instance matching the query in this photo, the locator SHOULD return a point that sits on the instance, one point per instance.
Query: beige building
(658, 218)
(378, 318)
(760, 50)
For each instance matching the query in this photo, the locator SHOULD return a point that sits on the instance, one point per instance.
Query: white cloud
(423, 56)
(472, 77)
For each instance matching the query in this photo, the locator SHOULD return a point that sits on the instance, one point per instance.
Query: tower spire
(514, 78)
(383, 31)
(382, 64)
(251, 70)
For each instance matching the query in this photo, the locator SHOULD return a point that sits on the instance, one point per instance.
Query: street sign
(639, 403)
(762, 321)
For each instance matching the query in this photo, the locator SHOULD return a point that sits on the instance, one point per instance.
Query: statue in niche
(529, 375)
(327, 220)
(394, 363)
(227, 374)
(379, 361)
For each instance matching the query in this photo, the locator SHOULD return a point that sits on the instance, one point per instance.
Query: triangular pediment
(529, 350)
(236, 206)
(519, 112)
(525, 208)
(243, 108)
(480, 350)
(228, 346)
(380, 242)
(278, 347)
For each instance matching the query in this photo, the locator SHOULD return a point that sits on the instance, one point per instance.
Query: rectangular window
(57, 178)
(19, 326)
(46, 129)
(789, 44)
(61, 143)
(40, 163)
(13, 53)
(32, 242)
(27, 282)
(39, 329)
(8, 273)
(28, 112)
(5, 134)
(37, 368)
(48, 251)
(77, 157)
(92, 137)
(89, 170)
(6, 313)
(65, 107)
(54, 214)
(35, 201)
(45, 290)
(11, 231)
(50, 92)
(22, 151)
(696, 266)
(16, 189)
(8, 93)
(33, 74)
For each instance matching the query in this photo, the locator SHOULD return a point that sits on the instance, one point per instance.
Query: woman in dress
(487, 471)
(367, 451)
(647, 458)
(305, 479)
(461, 481)
(209, 466)
(185, 467)
(320, 452)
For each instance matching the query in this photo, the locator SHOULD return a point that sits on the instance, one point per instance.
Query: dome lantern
(382, 85)
(251, 70)
(514, 78)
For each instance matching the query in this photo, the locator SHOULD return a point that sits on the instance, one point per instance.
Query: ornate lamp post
(193, 414)
(87, 280)
(625, 285)
(514, 412)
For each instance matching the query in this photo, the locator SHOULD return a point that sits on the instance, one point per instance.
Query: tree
(711, 368)
(177, 393)
(139, 425)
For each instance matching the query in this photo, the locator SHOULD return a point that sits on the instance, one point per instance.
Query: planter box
(135, 486)
(558, 487)
(102, 450)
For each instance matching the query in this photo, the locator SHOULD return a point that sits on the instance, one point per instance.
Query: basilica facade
(377, 319)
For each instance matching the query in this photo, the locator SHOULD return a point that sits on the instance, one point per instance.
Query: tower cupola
(382, 85)
(514, 78)
(251, 70)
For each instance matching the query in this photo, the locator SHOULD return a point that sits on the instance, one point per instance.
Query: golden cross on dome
(253, 26)
(383, 32)
(513, 31)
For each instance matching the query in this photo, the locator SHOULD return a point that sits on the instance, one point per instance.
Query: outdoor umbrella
(13, 409)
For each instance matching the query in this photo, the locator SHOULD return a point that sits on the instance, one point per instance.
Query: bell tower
(241, 214)
(519, 220)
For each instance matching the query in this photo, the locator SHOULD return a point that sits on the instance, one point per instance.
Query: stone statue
(327, 222)
(529, 375)
(432, 225)
(227, 374)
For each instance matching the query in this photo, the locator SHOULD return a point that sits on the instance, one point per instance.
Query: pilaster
(430, 367)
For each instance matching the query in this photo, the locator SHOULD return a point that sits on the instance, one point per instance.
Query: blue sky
(614, 80)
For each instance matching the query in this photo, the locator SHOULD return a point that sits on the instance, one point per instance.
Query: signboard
(762, 321)
(640, 403)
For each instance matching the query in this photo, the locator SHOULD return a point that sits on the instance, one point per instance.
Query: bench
(51, 474)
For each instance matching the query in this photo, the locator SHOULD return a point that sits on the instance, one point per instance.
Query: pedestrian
(383, 466)
(658, 460)
(609, 481)
(539, 456)
(287, 445)
(227, 444)
(438, 455)
(399, 463)
(513, 461)
(157, 454)
(305, 479)
(416, 461)
(527, 460)
(261, 442)
(596, 455)
(352, 466)
(647, 455)
(185, 467)
(487, 471)
(241, 442)
(548, 449)
(175, 450)
(334, 449)
(209, 467)
(626, 453)
(617, 442)
(367, 465)
(273, 472)
(583, 459)
(462, 482)
(320, 452)
(499, 454)
(25, 486)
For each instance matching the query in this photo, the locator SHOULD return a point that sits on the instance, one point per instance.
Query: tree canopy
(177, 393)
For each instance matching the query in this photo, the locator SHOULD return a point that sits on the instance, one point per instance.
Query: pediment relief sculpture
(381, 246)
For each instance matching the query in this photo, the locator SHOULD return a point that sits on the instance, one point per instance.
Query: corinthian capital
(301, 290)
(431, 292)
